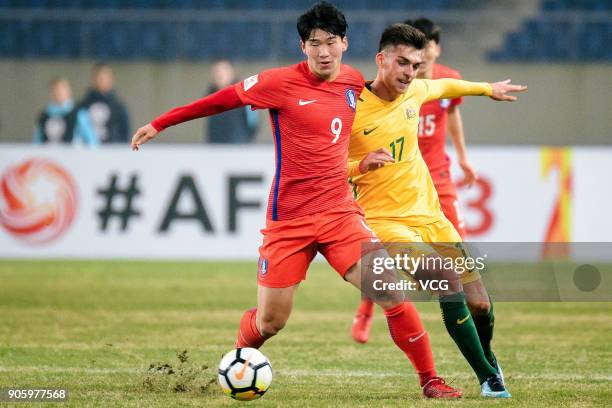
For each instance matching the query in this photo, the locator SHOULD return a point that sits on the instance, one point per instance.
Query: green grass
(95, 327)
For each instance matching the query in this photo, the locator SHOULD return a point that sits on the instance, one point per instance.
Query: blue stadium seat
(538, 39)
(194, 41)
(584, 5)
(58, 39)
(185, 4)
(249, 40)
(543, 39)
(28, 33)
(551, 5)
(212, 4)
(203, 41)
(97, 4)
(9, 40)
(353, 4)
(64, 4)
(290, 48)
(361, 43)
(518, 46)
(28, 3)
(594, 40)
(240, 4)
(112, 40)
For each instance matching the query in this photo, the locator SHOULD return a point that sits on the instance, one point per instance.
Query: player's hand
(503, 88)
(469, 173)
(375, 160)
(143, 135)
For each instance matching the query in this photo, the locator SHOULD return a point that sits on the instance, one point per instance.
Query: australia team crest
(411, 113)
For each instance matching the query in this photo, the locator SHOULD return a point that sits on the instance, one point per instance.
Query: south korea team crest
(351, 99)
(263, 267)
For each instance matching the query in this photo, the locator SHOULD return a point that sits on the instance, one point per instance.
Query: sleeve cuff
(157, 126)
(353, 168)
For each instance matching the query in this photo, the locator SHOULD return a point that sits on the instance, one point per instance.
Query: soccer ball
(245, 374)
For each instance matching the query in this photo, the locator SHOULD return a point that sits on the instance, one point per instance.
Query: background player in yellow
(392, 182)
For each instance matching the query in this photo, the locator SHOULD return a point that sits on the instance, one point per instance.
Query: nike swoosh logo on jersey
(368, 131)
(302, 102)
(413, 339)
(461, 321)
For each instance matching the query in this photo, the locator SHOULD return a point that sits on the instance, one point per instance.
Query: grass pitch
(115, 334)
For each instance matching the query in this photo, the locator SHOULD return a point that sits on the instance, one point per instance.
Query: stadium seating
(538, 39)
(560, 39)
(587, 5)
(235, 4)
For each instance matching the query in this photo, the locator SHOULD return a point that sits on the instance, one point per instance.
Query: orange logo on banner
(38, 201)
(559, 224)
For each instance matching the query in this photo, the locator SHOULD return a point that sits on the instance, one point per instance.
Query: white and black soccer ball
(245, 374)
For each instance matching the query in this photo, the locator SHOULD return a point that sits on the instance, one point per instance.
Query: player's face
(398, 66)
(430, 54)
(104, 80)
(324, 51)
(61, 92)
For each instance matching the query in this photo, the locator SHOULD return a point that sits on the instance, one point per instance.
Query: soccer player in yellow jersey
(392, 182)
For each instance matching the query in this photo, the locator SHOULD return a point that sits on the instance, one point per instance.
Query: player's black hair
(427, 27)
(402, 34)
(324, 16)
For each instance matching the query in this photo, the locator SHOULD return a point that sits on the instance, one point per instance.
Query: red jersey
(432, 129)
(311, 122)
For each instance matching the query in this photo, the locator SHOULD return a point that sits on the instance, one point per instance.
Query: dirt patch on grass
(179, 376)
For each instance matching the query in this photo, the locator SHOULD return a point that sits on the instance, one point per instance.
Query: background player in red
(310, 209)
(435, 118)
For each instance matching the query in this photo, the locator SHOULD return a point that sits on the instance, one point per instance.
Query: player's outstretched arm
(454, 88)
(220, 101)
(500, 90)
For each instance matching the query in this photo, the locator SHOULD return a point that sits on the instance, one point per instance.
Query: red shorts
(289, 246)
(452, 211)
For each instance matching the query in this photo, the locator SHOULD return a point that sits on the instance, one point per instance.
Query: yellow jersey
(403, 189)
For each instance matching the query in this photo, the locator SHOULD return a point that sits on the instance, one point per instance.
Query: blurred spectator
(108, 114)
(235, 126)
(61, 121)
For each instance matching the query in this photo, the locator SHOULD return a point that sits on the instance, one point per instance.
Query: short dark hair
(324, 16)
(427, 27)
(402, 34)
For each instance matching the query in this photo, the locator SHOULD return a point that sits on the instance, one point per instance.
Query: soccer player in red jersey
(310, 209)
(436, 119)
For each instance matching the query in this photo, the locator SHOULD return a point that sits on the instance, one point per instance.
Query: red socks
(248, 334)
(409, 335)
(405, 326)
(366, 307)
